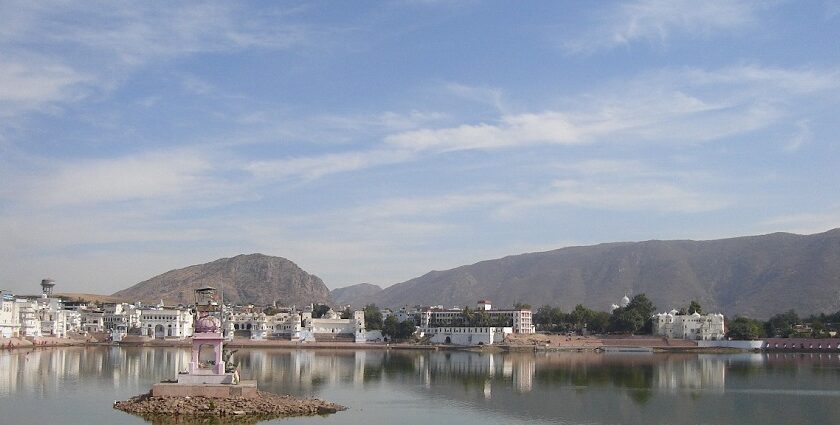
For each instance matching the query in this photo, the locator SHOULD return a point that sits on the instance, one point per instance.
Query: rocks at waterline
(265, 405)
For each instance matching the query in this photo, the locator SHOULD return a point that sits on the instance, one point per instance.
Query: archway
(206, 355)
(160, 332)
(448, 340)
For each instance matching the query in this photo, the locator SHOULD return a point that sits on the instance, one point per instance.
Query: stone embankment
(264, 406)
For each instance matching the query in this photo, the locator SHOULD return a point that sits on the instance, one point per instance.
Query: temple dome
(208, 324)
(624, 301)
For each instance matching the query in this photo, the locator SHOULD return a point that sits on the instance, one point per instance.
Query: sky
(376, 141)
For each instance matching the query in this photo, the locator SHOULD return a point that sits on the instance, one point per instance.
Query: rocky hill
(254, 278)
(358, 295)
(755, 276)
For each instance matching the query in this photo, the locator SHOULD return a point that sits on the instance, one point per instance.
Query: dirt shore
(242, 410)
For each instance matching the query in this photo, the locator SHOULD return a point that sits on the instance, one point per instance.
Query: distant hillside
(244, 279)
(756, 276)
(358, 295)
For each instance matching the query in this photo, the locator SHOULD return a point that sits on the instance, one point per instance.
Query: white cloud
(313, 167)
(803, 135)
(490, 96)
(657, 20)
(512, 130)
(616, 195)
(136, 32)
(149, 176)
(34, 84)
(682, 105)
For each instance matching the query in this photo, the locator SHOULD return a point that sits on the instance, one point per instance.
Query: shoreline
(591, 346)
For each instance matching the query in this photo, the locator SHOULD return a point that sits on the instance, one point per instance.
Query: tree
(626, 320)
(695, 307)
(521, 306)
(744, 328)
(406, 329)
(543, 315)
(373, 317)
(319, 310)
(599, 322)
(389, 326)
(346, 313)
(635, 318)
(781, 325)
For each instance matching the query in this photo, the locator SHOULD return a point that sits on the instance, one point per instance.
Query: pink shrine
(206, 374)
(207, 365)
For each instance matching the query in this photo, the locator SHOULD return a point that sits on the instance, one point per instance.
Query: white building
(459, 335)
(92, 321)
(166, 322)
(9, 316)
(30, 325)
(519, 320)
(689, 326)
(332, 327)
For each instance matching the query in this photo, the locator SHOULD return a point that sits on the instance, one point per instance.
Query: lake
(79, 384)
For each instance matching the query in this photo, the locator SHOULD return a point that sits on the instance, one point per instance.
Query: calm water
(78, 385)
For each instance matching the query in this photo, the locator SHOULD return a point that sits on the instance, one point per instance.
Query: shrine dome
(208, 324)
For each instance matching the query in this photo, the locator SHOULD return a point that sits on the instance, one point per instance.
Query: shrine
(208, 373)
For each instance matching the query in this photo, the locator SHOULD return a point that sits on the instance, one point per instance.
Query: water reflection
(522, 386)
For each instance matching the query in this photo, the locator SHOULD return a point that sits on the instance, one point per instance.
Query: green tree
(543, 315)
(319, 310)
(373, 317)
(346, 313)
(406, 329)
(389, 326)
(744, 328)
(626, 320)
(599, 322)
(781, 325)
(521, 306)
(695, 307)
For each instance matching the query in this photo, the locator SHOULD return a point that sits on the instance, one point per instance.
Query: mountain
(358, 295)
(756, 276)
(245, 279)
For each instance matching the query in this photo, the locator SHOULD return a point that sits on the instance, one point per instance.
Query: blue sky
(373, 142)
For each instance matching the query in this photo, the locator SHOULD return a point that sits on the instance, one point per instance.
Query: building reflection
(453, 374)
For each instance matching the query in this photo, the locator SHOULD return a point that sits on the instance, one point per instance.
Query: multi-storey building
(166, 322)
(519, 320)
(9, 316)
(689, 326)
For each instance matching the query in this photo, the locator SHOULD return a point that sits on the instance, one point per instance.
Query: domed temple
(208, 374)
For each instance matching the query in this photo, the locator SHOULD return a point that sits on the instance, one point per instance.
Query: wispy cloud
(673, 105)
(313, 167)
(36, 83)
(658, 20)
(89, 47)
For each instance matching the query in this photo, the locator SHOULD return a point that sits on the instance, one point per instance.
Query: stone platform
(244, 389)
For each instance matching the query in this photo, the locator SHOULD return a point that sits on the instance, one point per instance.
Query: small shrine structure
(206, 374)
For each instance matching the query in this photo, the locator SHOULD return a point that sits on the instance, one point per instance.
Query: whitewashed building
(462, 335)
(519, 320)
(689, 326)
(166, 322)
(30, 325)
(9, 316)
(332, 326)
(92, 321)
